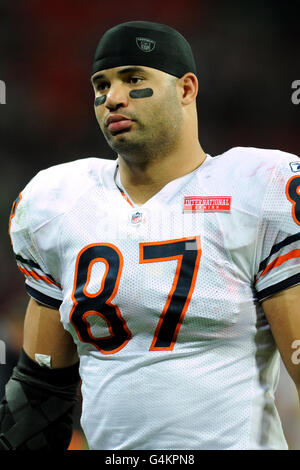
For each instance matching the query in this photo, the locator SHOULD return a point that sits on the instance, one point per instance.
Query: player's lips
(117, 122)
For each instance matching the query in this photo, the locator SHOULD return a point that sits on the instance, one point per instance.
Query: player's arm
(44, 334)
(283, 314)
(277, 257)
(36, 412)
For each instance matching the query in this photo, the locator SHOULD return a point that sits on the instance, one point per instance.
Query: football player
(166, 280)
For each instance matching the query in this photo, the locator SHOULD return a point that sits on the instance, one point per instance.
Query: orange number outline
(293, 201)
(170, 319)
(181, 266)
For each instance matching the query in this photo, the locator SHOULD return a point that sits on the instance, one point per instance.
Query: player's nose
(116, 97)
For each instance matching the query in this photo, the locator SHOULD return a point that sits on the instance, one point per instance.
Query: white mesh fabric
(213, 389)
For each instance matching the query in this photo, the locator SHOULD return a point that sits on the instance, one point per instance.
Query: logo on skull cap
(145, 44)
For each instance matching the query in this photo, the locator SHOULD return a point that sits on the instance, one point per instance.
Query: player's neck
(143, 181)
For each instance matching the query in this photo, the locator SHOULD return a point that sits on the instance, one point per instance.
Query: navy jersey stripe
(287, 241)
(42, 298)
(279, 286)
(29, 262)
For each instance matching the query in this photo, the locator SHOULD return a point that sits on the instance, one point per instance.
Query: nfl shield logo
(145, 44)
(136, 218)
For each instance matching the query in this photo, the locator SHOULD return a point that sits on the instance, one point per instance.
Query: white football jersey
(164, 300)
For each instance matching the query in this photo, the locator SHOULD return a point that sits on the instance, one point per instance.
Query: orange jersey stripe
(280, 260)
(127, 199)
(37, 276)
(13, 211)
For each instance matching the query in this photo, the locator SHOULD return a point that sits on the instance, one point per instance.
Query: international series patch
(207, 204)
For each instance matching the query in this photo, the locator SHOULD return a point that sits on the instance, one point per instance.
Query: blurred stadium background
(247, 55)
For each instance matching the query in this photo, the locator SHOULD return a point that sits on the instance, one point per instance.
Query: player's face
(138, 109)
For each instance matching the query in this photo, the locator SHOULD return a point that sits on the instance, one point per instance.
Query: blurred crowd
(247, 59)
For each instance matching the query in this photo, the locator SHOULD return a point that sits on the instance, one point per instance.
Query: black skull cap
(146, 44)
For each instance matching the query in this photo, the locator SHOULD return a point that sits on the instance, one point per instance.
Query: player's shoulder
(52, 191)
(71, 173)
(259, 163)
(253, 156)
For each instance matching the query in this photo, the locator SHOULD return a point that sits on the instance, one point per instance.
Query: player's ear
(189, 88)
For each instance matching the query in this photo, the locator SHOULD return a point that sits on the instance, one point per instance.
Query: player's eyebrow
(102, 76)
(130, 70)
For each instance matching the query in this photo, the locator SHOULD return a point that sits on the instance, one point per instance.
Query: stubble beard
(154, 139)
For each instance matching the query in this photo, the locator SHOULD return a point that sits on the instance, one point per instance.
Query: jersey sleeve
(277, 263)
(39, 282)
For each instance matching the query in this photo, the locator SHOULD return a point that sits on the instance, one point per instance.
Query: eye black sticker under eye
(144, 93)
(100, 100)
